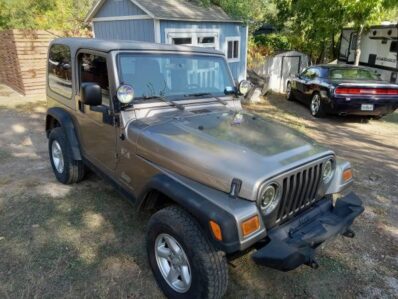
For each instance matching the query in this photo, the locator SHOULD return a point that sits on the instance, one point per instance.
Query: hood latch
(236, 185)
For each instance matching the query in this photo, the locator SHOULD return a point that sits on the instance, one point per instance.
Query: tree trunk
(358, 46)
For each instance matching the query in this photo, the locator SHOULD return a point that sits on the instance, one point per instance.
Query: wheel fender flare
(200, 207)
(67, 124)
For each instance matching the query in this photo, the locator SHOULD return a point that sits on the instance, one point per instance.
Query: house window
(193, 37)
(207, 41)
(233, 49)
(182, 41)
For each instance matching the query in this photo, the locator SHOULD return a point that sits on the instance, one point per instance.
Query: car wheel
(183, 260)
(66, 170)
(289, 95)
(316, 106)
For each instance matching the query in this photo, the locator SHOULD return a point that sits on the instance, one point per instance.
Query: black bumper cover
(294, 243)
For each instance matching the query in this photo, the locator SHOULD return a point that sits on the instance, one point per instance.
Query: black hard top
(109, 45)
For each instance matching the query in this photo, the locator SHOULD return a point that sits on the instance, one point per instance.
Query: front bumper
(294, 243)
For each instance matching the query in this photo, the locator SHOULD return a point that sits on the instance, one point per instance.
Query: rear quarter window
(60, 70)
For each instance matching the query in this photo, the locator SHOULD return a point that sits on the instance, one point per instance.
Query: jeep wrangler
(165, 126)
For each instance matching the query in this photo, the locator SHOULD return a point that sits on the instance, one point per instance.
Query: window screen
(60, 70)
(94, 69)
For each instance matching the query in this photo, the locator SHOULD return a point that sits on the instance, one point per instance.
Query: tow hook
(349, 233)
(313, 264)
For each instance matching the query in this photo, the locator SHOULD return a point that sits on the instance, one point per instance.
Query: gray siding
(141, 30)
(238, 69)
(112, 8)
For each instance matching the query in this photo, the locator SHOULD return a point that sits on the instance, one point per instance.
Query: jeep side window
(60, 71)
(94, 69)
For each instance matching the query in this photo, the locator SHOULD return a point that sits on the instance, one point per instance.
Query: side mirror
(90, 94)
(244, 87)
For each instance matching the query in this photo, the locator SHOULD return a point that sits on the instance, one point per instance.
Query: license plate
(367, 107)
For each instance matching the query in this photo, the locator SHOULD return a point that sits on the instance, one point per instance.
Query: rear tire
(316, 106)
(66, 170)
(208, 270)
(289, 95)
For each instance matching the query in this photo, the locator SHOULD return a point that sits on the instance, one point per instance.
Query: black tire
(73, 171)
(209, 268)
(289, 95)
(320, 111)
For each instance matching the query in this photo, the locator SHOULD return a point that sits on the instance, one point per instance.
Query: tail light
(365, 91)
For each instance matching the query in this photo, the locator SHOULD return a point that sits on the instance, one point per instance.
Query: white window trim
(192, 33)
(232, 39)
(122, 18)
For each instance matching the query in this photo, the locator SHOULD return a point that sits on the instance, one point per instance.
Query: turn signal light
(216, 229)
(347, 175)
(251, 225)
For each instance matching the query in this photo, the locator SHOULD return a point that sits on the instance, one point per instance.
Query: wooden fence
(23, 56)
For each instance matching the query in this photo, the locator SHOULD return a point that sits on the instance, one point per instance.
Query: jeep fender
(206, 204)
(66, 122)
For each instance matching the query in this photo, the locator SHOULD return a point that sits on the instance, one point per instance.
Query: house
(176, 22)
(379, 49)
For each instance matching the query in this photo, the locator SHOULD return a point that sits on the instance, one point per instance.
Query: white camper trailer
(379, 49)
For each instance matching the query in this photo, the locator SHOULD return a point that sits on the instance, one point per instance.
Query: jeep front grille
(299, 191)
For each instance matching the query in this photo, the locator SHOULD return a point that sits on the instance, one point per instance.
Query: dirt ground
(86, 241)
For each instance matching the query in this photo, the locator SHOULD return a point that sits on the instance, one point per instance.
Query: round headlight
(125, 94)
(328, 171)
(268, 198)
(244, 87)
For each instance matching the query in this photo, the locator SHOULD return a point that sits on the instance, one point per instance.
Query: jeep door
(97, 131)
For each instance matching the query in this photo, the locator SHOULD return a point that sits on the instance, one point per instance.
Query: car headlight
(268, 198)
(328, 171)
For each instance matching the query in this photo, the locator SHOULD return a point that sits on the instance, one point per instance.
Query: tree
(252, 12)
(310, 26)
(363, 13)
(65, 15)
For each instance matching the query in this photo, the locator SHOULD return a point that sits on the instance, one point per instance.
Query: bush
(274, 41)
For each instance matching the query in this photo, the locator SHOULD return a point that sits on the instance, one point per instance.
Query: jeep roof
(107, 46)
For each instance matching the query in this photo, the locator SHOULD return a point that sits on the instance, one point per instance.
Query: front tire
(316, 106)
(183, 260)
(66, 170)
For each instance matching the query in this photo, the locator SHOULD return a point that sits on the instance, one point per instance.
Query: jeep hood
(215, 148)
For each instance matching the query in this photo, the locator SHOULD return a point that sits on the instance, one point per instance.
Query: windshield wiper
(173, 103)
(202, 94)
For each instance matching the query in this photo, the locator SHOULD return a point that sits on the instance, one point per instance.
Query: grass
(80, 240)
(4, 155)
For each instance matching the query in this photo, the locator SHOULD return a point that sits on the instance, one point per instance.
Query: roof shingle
(181, 10)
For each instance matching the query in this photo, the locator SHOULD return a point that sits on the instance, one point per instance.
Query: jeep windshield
(175, 76)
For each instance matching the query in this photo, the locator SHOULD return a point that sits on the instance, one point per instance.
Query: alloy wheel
(173, 263)
(57, 156)
(315, 104)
